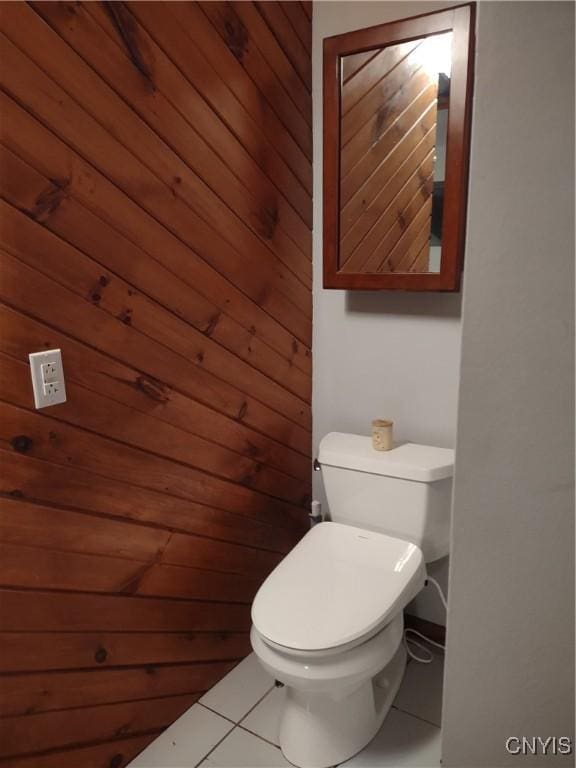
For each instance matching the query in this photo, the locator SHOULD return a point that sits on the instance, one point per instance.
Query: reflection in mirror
(393, 128)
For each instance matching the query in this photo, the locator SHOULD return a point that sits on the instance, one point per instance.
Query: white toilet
(328, 621)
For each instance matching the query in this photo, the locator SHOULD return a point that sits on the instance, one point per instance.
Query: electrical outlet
(47, 378)
(48, 371)
(51, 389)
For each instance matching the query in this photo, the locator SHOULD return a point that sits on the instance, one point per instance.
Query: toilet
(327, 623)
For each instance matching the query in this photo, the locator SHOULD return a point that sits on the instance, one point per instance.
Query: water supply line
(429, 658)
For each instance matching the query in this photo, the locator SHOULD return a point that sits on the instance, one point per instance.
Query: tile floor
(234, 725)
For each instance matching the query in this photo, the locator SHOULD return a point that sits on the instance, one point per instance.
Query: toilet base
(319, 730)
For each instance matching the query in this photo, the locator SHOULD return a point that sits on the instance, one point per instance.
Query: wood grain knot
(22, 443)
(126, 316)
(212, 323)
(379, 123)
(101, 655)
(269, 221)
(128, 31)
(247, 479)
(155, 390)
(116, 761)
(50, 199)
(236, 37)
(251, 449)
(242, 410)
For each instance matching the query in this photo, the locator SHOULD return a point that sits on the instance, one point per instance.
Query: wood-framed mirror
(397, 110)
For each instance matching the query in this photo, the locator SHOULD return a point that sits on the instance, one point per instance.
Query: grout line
(255, 705)
(217, 743)
(258, 736)
(416, 717)
(230, 732)
(230, 720)
(215, 712)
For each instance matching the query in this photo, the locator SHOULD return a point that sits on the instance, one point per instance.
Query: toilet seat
(337, 588)
(324, 671)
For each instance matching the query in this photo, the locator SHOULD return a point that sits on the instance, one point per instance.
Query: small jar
(382, 437)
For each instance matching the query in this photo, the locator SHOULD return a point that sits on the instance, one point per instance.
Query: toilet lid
(335, 586)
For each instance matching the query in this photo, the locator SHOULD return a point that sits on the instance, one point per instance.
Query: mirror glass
(394, 105)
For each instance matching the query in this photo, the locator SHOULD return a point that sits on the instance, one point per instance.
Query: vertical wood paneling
(155, 204)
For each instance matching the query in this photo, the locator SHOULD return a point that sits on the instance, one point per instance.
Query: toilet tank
(405, 492)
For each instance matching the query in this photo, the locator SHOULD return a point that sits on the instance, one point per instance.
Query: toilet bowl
(334, 706)
(328, 624)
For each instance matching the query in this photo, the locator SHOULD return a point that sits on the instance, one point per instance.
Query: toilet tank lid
(409, 461)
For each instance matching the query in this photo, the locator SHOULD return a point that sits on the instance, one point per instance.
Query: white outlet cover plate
(47, 378)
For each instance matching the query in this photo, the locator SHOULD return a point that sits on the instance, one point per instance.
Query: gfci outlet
(47, 378)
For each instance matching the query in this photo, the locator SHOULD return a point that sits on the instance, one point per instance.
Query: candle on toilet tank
(382, 437)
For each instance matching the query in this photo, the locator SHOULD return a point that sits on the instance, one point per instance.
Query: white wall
(510, 656)
(386, 354)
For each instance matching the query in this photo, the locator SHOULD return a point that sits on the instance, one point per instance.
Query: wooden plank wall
(156, 212)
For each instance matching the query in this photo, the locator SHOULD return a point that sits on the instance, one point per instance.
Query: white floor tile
(264, 719)
(186, 741)
(420, 694)
(421, 691)
(402, 742)
(240, 690)
(243, 750)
